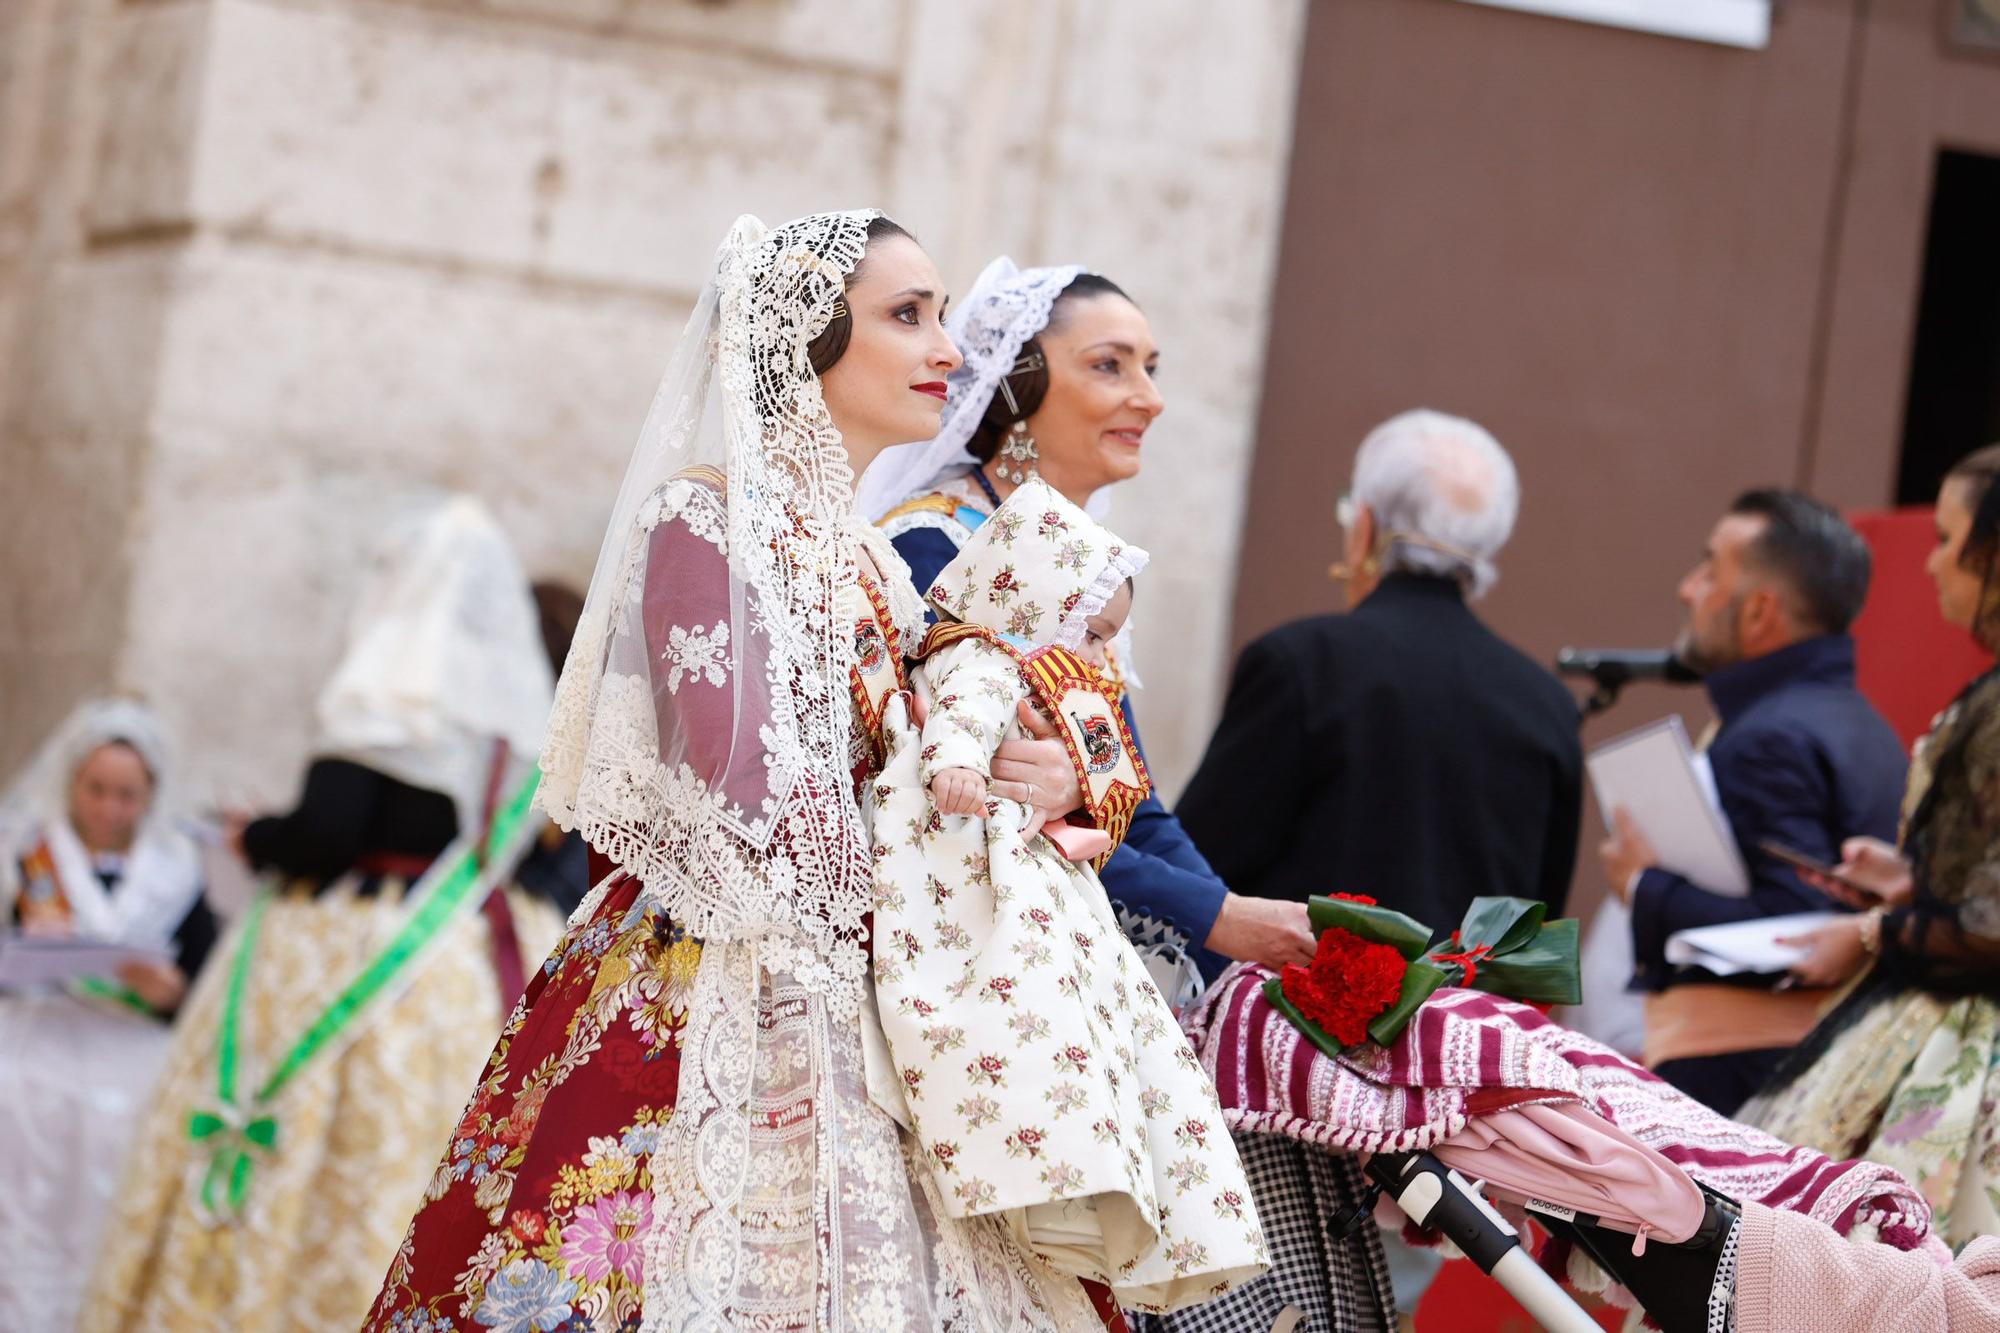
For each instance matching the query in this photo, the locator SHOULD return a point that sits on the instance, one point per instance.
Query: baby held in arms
(1036, 1063)
(962, 791)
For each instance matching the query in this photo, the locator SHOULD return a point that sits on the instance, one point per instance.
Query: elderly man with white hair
(1401, 750)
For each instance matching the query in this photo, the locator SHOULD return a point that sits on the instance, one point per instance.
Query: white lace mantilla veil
(714, 762)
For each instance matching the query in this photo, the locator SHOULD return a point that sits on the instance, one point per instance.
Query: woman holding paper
(1902, 1071)
(90, 853)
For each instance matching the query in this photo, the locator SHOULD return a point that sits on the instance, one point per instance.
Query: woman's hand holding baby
(1034, 768)
(959, 791)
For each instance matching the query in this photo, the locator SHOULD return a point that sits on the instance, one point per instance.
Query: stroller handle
(1434, 1196)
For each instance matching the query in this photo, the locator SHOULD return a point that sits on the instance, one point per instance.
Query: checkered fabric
(1342, 1286)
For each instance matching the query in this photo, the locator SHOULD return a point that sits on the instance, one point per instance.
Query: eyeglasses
(1345, 510)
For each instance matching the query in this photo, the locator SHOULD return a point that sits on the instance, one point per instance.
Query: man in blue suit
(1799, 758)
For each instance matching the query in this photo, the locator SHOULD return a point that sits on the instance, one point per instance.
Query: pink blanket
(1468, 1054)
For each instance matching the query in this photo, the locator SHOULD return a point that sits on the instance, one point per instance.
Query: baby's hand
(959, 791)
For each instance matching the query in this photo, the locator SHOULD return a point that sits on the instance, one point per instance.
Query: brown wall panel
(1606, 246)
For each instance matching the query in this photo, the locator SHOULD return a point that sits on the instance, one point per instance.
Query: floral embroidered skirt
(356, 1137)
(535, 1219)
(1913, 1085)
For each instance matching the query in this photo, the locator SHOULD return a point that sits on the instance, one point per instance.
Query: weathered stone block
(300, 401)
(855, 34)
(459, 139)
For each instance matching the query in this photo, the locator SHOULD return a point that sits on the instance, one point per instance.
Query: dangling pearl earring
(1020, 447)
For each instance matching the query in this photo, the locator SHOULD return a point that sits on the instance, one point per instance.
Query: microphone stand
(1608, 678)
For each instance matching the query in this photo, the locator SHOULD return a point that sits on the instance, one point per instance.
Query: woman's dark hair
(827, 348)
(1975, 473)
(1031, 386)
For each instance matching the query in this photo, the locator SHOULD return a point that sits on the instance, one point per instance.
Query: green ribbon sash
(1504, 946)
(237, 1132)
(111, 992)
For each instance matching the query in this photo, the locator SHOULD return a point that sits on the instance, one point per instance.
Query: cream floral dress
(1041, 1069)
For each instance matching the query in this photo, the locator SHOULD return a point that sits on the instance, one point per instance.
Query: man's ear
(1364, 531)
(1764, 615)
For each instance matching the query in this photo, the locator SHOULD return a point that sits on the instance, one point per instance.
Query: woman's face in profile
(1090, 427)
(1958, 588)
(108, 797)
(888, 387)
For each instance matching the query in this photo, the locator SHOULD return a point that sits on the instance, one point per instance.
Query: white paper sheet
(1744, 946)
(29, 962)
(1654, 775)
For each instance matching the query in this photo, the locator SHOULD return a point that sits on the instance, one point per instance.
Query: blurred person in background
(89, 851)
(1902, 1071)
(1799, 757)
(325, 1057)
(1059, 383)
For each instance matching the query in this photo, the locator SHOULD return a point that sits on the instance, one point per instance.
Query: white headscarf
(162, 873)
(444, 657)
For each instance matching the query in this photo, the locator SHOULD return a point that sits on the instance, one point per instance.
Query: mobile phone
(1791, 856)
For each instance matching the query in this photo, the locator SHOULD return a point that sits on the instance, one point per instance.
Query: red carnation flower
(1351, 982)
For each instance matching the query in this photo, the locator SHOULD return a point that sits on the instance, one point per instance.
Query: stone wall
(270, 268)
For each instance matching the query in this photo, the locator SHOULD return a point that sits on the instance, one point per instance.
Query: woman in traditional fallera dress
(1058, 383)
(675, 1130)
(89, 849)
(1906, 1068)
(324, 1057)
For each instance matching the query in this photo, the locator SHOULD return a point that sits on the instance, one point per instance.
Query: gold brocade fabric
(359, 1129)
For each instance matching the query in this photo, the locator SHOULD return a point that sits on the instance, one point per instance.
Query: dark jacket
(1800, 759)
(1403, 751)
(1164, 891)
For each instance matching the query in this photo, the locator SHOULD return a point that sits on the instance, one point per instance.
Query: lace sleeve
(1955, 922)
(702, 651)
(975, 688)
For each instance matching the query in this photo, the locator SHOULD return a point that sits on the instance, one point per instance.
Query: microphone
(1613, 667)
